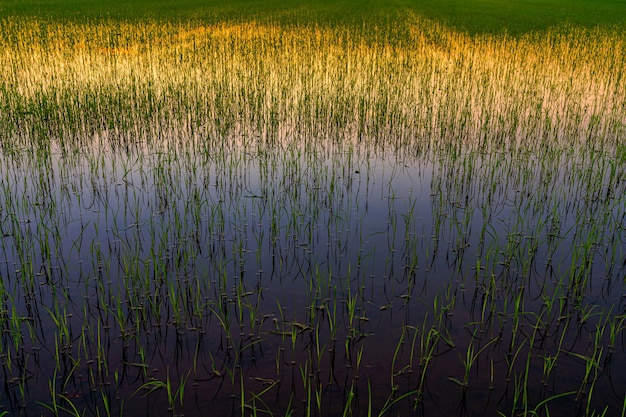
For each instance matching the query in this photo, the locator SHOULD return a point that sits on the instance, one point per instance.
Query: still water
(231, 277)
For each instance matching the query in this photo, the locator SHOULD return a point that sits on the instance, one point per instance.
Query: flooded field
(264, 220)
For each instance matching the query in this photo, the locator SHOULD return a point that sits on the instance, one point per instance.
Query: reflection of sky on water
(293, 235)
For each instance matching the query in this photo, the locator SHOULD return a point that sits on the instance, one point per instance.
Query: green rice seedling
(257, 398)
(549, 363)
(470, 359)
(542, 406)
(592, 366)
(173, 396)
(389, 403)
(616, 325)
(347, 409)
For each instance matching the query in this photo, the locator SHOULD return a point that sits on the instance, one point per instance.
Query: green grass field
(515, 17)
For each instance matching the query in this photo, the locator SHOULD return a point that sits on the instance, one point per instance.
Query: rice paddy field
(290, 214)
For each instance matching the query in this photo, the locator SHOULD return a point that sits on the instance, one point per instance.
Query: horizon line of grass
(474, 17)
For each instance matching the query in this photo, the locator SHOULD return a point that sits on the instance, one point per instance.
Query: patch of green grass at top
(203, 10)
(517, 17)
(514, 17)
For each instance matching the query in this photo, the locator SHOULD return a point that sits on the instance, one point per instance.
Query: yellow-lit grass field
(429, 87)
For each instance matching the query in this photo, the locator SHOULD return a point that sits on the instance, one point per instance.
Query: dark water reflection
(299, 280)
